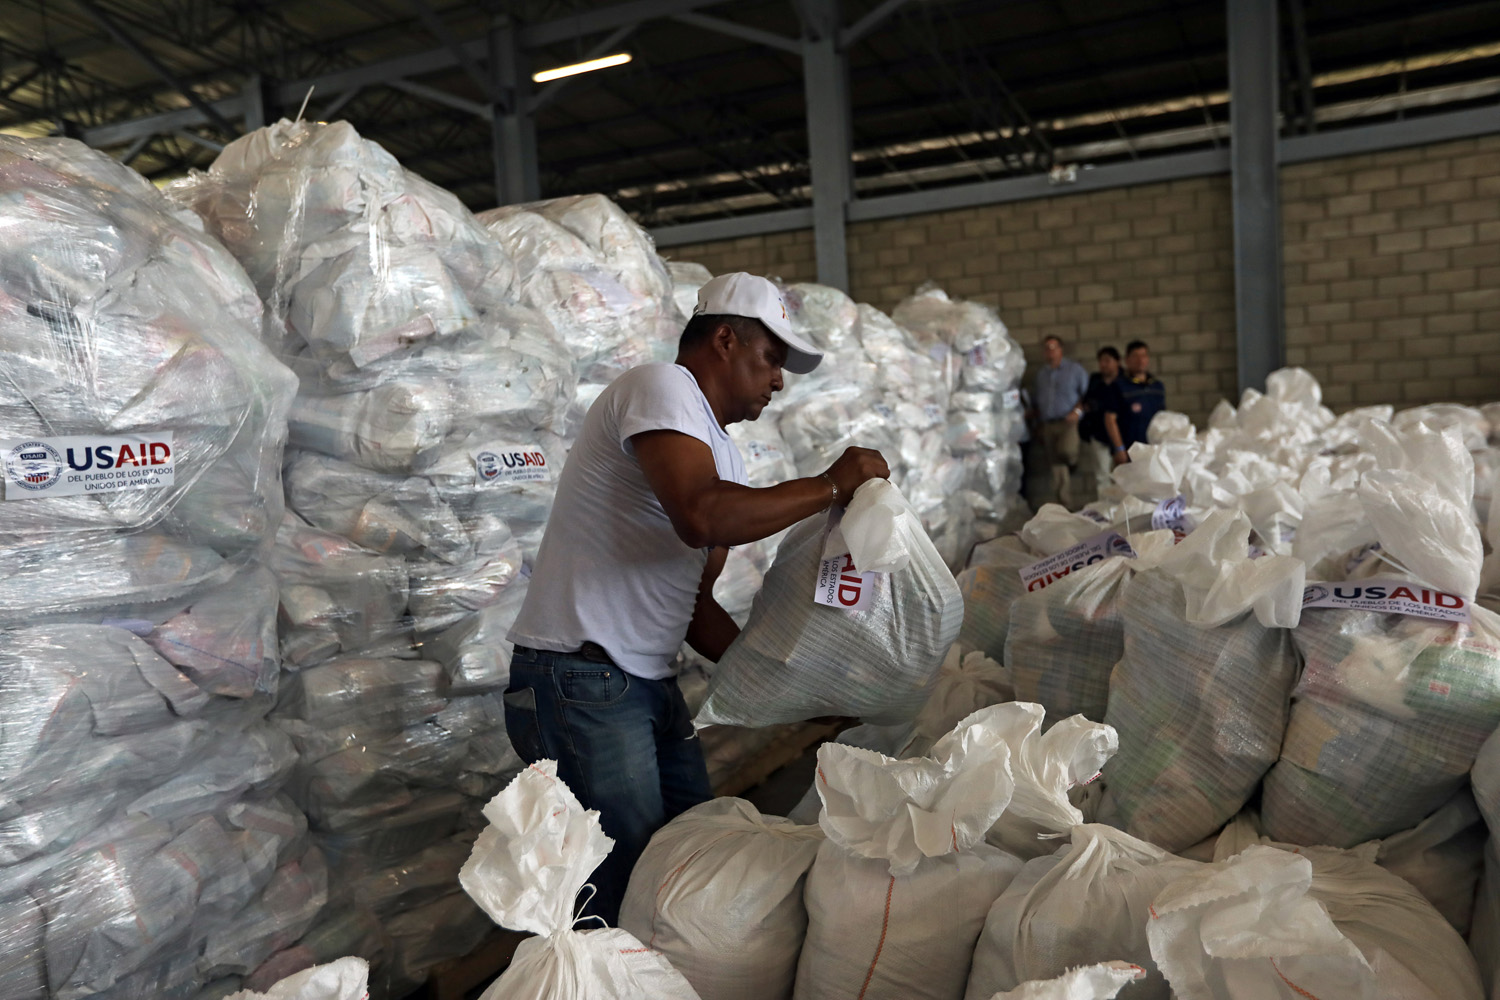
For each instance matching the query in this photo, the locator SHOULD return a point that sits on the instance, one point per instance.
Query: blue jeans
(624, 745)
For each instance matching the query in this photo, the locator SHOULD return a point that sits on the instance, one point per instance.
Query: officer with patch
(1132, 401)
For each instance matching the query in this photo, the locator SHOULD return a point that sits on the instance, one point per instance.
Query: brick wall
(1148, 263)
(1393, 274)
(1392, 271)
(788, 256)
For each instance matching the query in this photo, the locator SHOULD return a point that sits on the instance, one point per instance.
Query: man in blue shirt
(1133, 401)
(1060, 386)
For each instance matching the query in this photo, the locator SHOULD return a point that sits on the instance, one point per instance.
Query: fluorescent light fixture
(603, 62)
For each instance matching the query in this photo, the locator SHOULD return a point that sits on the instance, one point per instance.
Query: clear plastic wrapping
(144, 844)
(425, 440)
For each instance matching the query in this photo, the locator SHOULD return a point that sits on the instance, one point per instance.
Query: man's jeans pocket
(594, 685)
(522, 725)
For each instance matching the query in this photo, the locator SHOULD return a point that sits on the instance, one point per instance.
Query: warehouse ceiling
(701, 124)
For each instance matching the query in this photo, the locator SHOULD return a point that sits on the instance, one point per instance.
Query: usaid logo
(33, 465)
(1317, 592)
(506, 464)
(488, 464)
(1120, 547)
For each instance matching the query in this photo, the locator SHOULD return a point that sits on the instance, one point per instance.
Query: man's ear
(723, 339)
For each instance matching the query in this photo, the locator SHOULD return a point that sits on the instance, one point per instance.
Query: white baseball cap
(751, 296)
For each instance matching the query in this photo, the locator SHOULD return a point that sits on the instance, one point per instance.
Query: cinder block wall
(1392, 271)
(1393, 274)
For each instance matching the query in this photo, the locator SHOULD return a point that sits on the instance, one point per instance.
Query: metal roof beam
(565, 29)
(438, 96)
(126, 41)
(741, 31)
(439, 30)
(869, 22)
(1304, 66)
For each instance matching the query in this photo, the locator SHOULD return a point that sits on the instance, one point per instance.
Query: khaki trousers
(1060, 439)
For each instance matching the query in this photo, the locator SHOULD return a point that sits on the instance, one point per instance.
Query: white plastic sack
(526, 871)
(1087, 982)
(1271, 924)
(1090, 899)
(1045, 767)
(798, 660)
(1065, 639)
(718, 891)
(898, 893)
(346, 979)
(1200, 696)
(1388, 717)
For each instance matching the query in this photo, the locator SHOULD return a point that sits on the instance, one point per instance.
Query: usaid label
(1042, 574)
(1392, 597)
(1172, 513)
(840, 585)
(498, 464)
(76, 466)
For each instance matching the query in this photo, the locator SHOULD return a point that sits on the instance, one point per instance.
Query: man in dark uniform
(1133, 400)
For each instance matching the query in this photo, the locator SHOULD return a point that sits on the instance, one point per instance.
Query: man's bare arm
(711, 630)
(707, 511)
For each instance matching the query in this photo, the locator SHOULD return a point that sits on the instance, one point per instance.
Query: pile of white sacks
(146, 848)
(423, 436)
(1211, 738)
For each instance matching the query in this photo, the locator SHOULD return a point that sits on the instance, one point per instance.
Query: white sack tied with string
(718, 891)
(526, 871)
(344, 979)
(899, 891)
(1200, 695)
(797, 659)
(1090, 900)
(1273, 925)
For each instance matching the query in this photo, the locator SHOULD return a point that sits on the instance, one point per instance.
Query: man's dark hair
(1135, 345)
(1108, 352)
(1050, 338)
(700, 328)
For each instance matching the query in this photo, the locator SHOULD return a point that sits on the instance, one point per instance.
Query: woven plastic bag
(1388, 717)
(526, 872)
(1090, 899)
(899, 891)
(718, 891)
(345, 979)
(1066, 638)
(1273, 925)
(1200, 696)
(1484, 934)
(797, 659)
(1087, 982)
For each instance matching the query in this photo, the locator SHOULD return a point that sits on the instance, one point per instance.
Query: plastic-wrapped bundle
(141, 489)
(797, 659)
(1273, 924)
(687, 278)
(594, 273)
(983, 367)
(1200, 696)
(427, 428)
(1103, 981)
(719, 893)
(1387, 720)
(344, 979)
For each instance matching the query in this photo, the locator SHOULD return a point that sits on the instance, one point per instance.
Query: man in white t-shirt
(652, 496)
